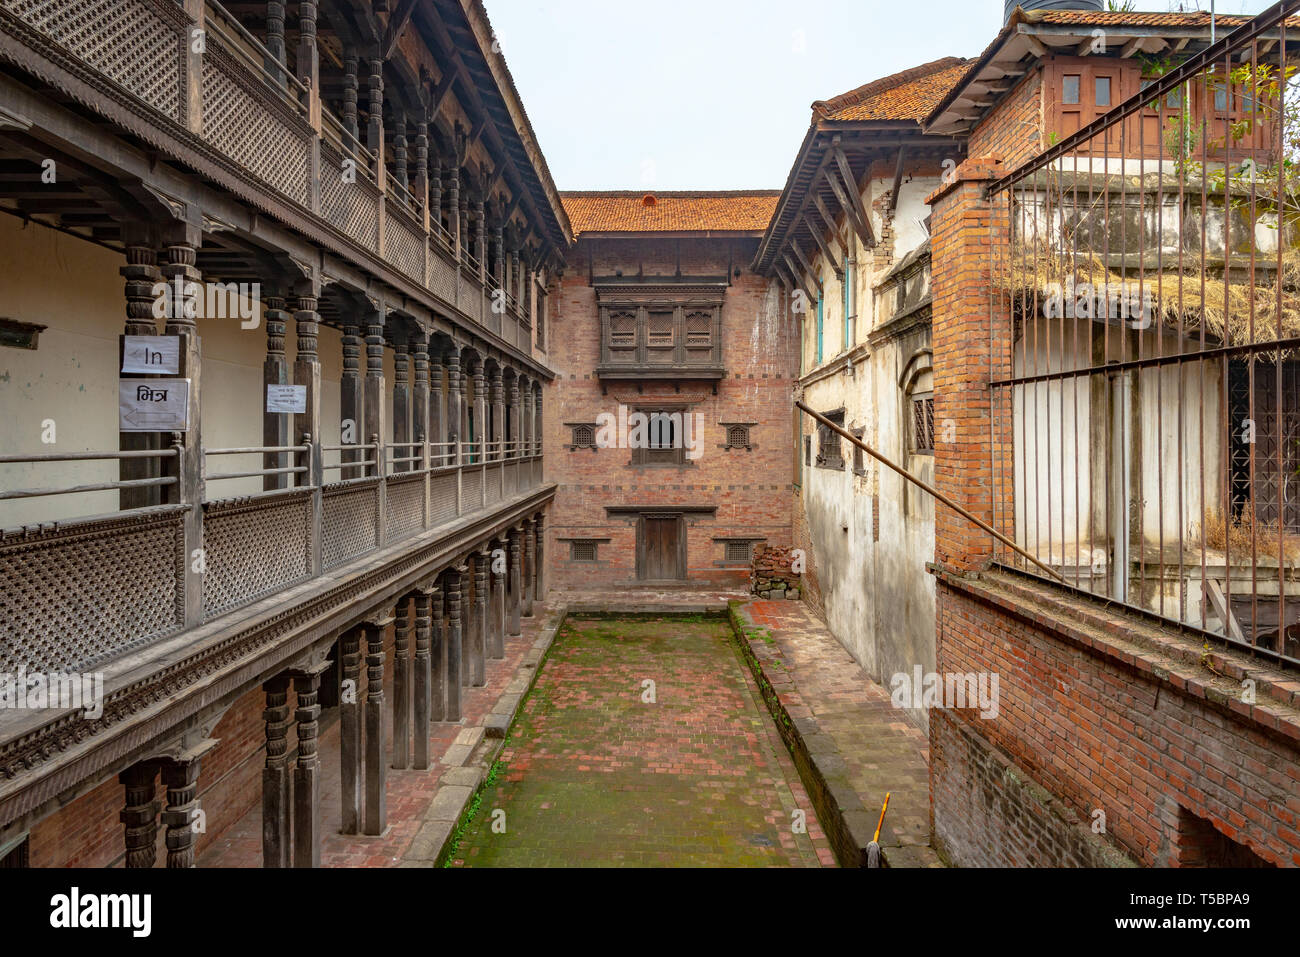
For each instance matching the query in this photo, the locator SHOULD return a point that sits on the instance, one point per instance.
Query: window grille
(584, 551)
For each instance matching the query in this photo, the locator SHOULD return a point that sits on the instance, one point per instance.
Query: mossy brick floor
(592, 775)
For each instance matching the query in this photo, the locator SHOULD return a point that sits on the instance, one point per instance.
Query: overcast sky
(715, 94)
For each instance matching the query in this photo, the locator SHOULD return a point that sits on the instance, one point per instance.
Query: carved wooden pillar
(276, 427)
(514, 590)
(499, 266)
(275, 776)
(376, 815)
(374, 386)
(351, 401)
(141, 274)
(181, 778)
(435, 192)
(401, 404)
(515, 418)
(539, 563)
(437, 652)
(402, 685)
(526, 420)
(423, 684)
(455, 637)
(308, 55)
(496, 392)
(306, 372)
(537, 419)
(375, 129)
(306, 776)
(530, 560)
(453, 209)
(351, 84)
(437, 407)
(497, 614)
(479, 436)
(184, 285)
(422, 162)
(481, 626)
(140, 815)
(455, 402)
(420, 394)
(399, 149)
(350, 740)
(516, 290)
(465, 240)
(480, 238)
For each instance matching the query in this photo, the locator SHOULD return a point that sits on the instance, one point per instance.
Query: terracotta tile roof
(1110, 18)
(909, 95)
(636, 211)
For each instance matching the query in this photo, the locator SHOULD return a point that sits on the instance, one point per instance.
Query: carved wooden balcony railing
(83, 592)
(128, 60)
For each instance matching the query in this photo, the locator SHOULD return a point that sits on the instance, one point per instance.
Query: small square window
(582, 551)
(739, 551)
(737, 436)
(1070, 89)
(584, 436)
(1102, 90)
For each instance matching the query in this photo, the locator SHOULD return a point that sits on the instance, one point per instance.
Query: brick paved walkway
(593, 775)
(845, 714)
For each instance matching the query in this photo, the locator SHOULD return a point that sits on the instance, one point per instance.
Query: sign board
(158, 354)
(286, 398)
(153, 405)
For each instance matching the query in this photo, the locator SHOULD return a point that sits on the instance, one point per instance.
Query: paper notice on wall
(286, 398)
(153, 405)
(160, 355)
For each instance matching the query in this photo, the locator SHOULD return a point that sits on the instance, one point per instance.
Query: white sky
(716, 94)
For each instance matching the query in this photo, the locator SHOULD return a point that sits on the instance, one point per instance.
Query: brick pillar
(275, 776)
(140, 815)
(966, 229)
(306, 776)
(350, 730)
(376, 816)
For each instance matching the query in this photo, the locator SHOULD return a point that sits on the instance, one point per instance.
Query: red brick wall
(751, 489)
(1107, 727)
(1015, 130)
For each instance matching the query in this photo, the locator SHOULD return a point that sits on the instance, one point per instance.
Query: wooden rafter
(847, 195)
(898, 179)
(831, 257)
(396, 24)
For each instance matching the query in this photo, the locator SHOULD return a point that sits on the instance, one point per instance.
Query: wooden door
(660, 551)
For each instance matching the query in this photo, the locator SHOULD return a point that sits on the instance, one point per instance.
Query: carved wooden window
(923, 423)
(738, 551)
(584, 436)
(583, 551)
(737, 436)
(622, 331)
(699, 330)
(830, 452)
(664, 443)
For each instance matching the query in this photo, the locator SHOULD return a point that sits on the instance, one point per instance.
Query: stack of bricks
(771, 575)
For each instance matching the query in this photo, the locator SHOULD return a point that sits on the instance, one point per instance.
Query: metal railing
(1145, 348)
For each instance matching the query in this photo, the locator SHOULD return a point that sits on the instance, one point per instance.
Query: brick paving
(816, 678)
(593, 775)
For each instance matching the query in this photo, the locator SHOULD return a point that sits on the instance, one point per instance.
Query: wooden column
(481, 627)
(453, 209)
(420, 392)
(350, 739)
(437, 652)
(455, 402)
(435, 192)
(277, 429)
(180, 775)
(480, 238)
(141, 274)
(480, 426)
(351, 84)
(401, 404)
(351, 401)
(374, 389)
(275, 35)
(423, 684)
(515, 420)
(530, 563)
(496, 392)
(402, 685)
(437, 408)
(375, 129)
(275, 776)
(514, 591)
(306, 372)
(539, 565)
(400, 171)
(140, 815)
(376, 813)
(306, 776)
(497, 615)
(454, 642)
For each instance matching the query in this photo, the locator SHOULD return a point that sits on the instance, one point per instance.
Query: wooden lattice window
(699, 330)
(738, 551)
(923, 423)
(830, 451)
(664, 442)
(622, 330)
(584, 436)
(582, 551)
(737, 436)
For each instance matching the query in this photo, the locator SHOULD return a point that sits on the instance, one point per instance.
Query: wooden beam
(1036, 46)
(831, 258)
(396, 24)
(825, 213)
(799, 276)
(804, 261)
(849, 199)
(898, 180)
(443, 90)
(1133, 46)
